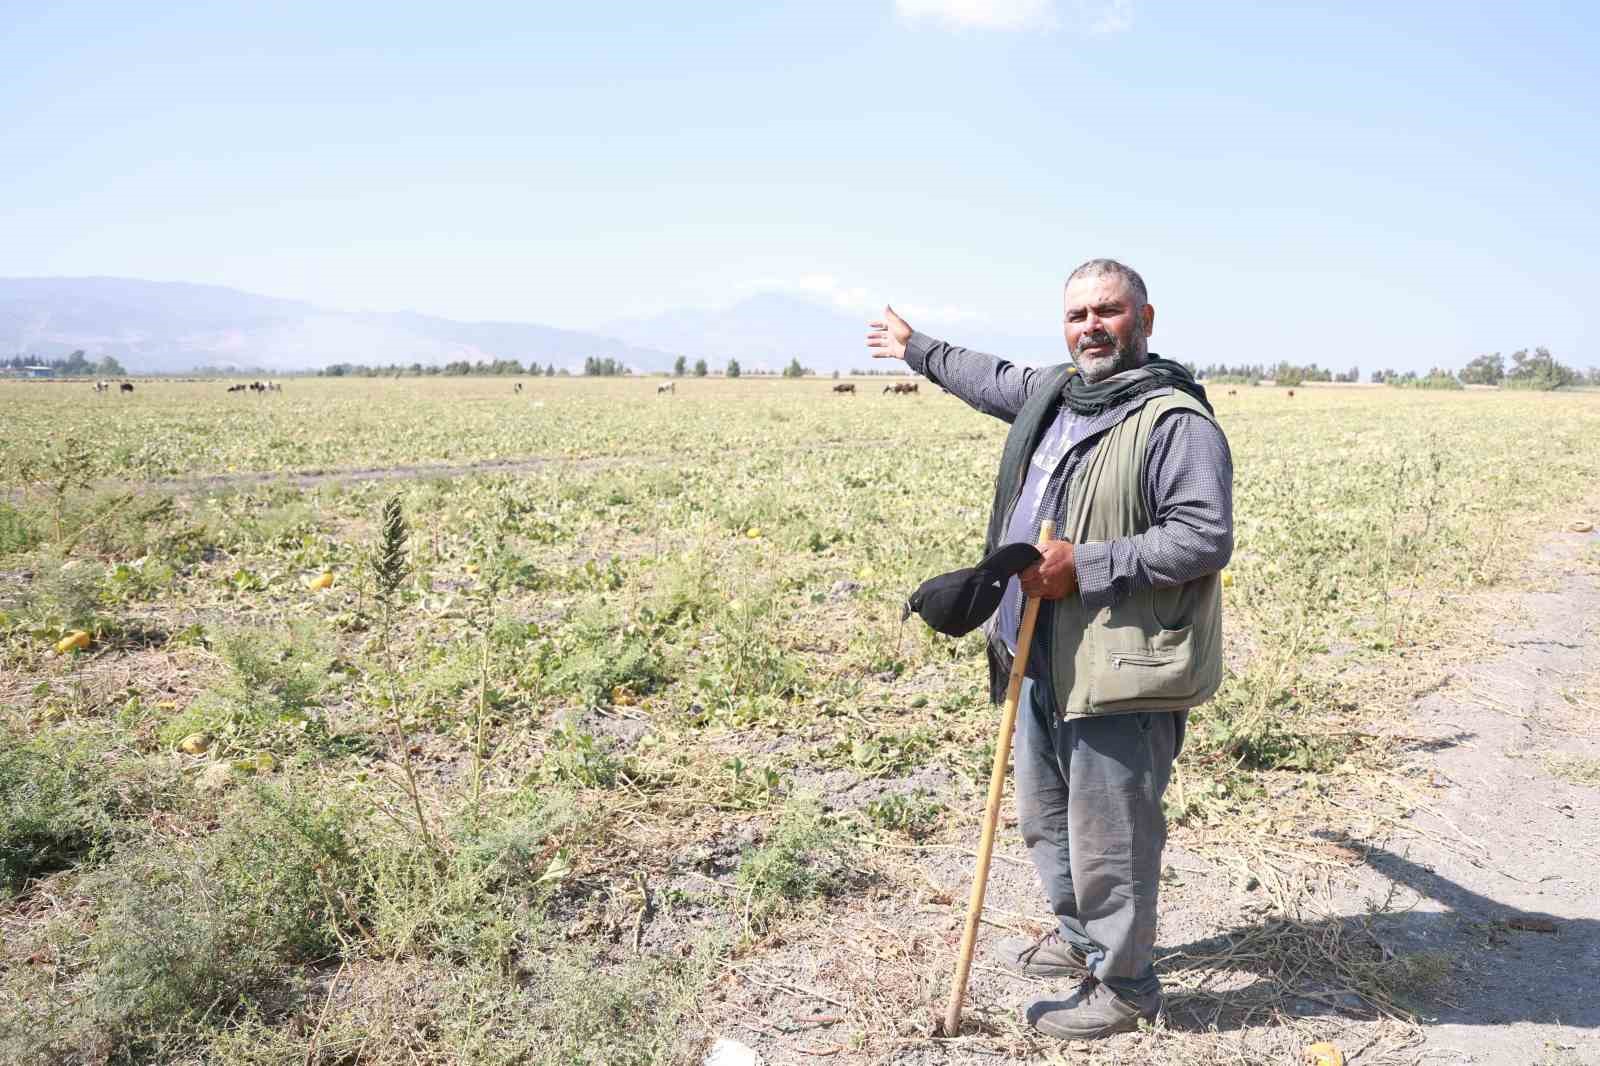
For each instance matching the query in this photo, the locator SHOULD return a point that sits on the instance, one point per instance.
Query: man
(1122, 451)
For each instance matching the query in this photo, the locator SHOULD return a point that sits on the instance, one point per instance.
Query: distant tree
(733, 368)
(836, 375)
(1436, 378)
(794, 369)
(700, 368)
(1489, 369)
(1538, 371)
(1594, 376)
(679, 365)
(109, 368)
(606, 368)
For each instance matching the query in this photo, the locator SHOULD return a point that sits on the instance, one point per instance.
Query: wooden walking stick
(991, 816)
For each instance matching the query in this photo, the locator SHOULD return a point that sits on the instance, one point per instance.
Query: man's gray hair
(1099, 268)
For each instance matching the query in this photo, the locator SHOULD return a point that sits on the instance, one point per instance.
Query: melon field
(422, 721)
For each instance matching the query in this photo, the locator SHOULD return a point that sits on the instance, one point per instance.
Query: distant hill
(165, 327)
(168, 327)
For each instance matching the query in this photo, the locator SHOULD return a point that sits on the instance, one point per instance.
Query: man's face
(1107, 331)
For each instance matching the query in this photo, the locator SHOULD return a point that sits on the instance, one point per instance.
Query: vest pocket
(1160, 669)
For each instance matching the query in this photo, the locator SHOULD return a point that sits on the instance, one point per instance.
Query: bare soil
(1505, 867)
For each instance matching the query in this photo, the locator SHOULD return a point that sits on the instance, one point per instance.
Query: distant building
(29, 371)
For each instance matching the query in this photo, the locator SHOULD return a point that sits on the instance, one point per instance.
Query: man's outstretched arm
(985, 382)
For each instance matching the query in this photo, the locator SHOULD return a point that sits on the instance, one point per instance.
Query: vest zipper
(1118, 658)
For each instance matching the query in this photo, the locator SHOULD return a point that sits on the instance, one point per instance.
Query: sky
(1351, 184)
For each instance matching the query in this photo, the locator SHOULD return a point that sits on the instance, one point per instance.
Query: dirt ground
(1476, 899)
(1506, 868)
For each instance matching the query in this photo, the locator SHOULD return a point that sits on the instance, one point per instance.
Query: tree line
(76, 365)
(1538, 370)
(457, 368)
(1284, 373)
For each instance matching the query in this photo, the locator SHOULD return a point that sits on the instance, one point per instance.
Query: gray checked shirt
(1188, 483)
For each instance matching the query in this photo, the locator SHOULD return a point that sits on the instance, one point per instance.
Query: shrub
(18, 532)
(55, 808)
(183, 931)
(807, 855)
(265, 698)
(64, 594)
(629, 1016)
(597, 654)
(481, 899)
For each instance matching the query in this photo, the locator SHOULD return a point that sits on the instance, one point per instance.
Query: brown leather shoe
(1092, 1012)
(1049, 956)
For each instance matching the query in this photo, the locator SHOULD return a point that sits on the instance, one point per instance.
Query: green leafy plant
(576, 757)
(914, 815)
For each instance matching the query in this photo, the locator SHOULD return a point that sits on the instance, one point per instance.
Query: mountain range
(171, 327)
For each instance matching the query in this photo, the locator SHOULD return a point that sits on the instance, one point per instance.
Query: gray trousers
(1089, 806)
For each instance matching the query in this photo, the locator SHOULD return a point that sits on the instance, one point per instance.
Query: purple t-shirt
(1058, 439)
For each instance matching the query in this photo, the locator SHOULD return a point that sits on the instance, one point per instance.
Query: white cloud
(1089, 16)
(981, 14)
(1108, 16)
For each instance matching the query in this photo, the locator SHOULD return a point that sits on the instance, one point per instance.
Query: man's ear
(1147, 317)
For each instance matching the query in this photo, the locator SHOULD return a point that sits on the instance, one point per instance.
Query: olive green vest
(1157, 650)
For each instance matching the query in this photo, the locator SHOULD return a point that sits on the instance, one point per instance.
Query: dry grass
(612, 677)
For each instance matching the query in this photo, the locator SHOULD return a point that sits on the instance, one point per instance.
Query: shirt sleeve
(1189, 490)
(985, 382)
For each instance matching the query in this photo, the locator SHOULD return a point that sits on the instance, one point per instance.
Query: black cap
(958, 602)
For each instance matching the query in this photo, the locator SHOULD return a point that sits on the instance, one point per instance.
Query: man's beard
(1096, 369)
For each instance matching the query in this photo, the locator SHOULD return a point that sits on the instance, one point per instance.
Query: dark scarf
(1158, 373)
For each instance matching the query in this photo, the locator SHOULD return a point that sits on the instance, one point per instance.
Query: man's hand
(1055, 576)
(888, 337)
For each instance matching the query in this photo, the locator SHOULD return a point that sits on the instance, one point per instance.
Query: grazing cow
(517, 388)
(670, 386)
(126, 386)
(902, 389)
(1233, 392)
(1291, 394)
(851, 389)
(237, 388)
